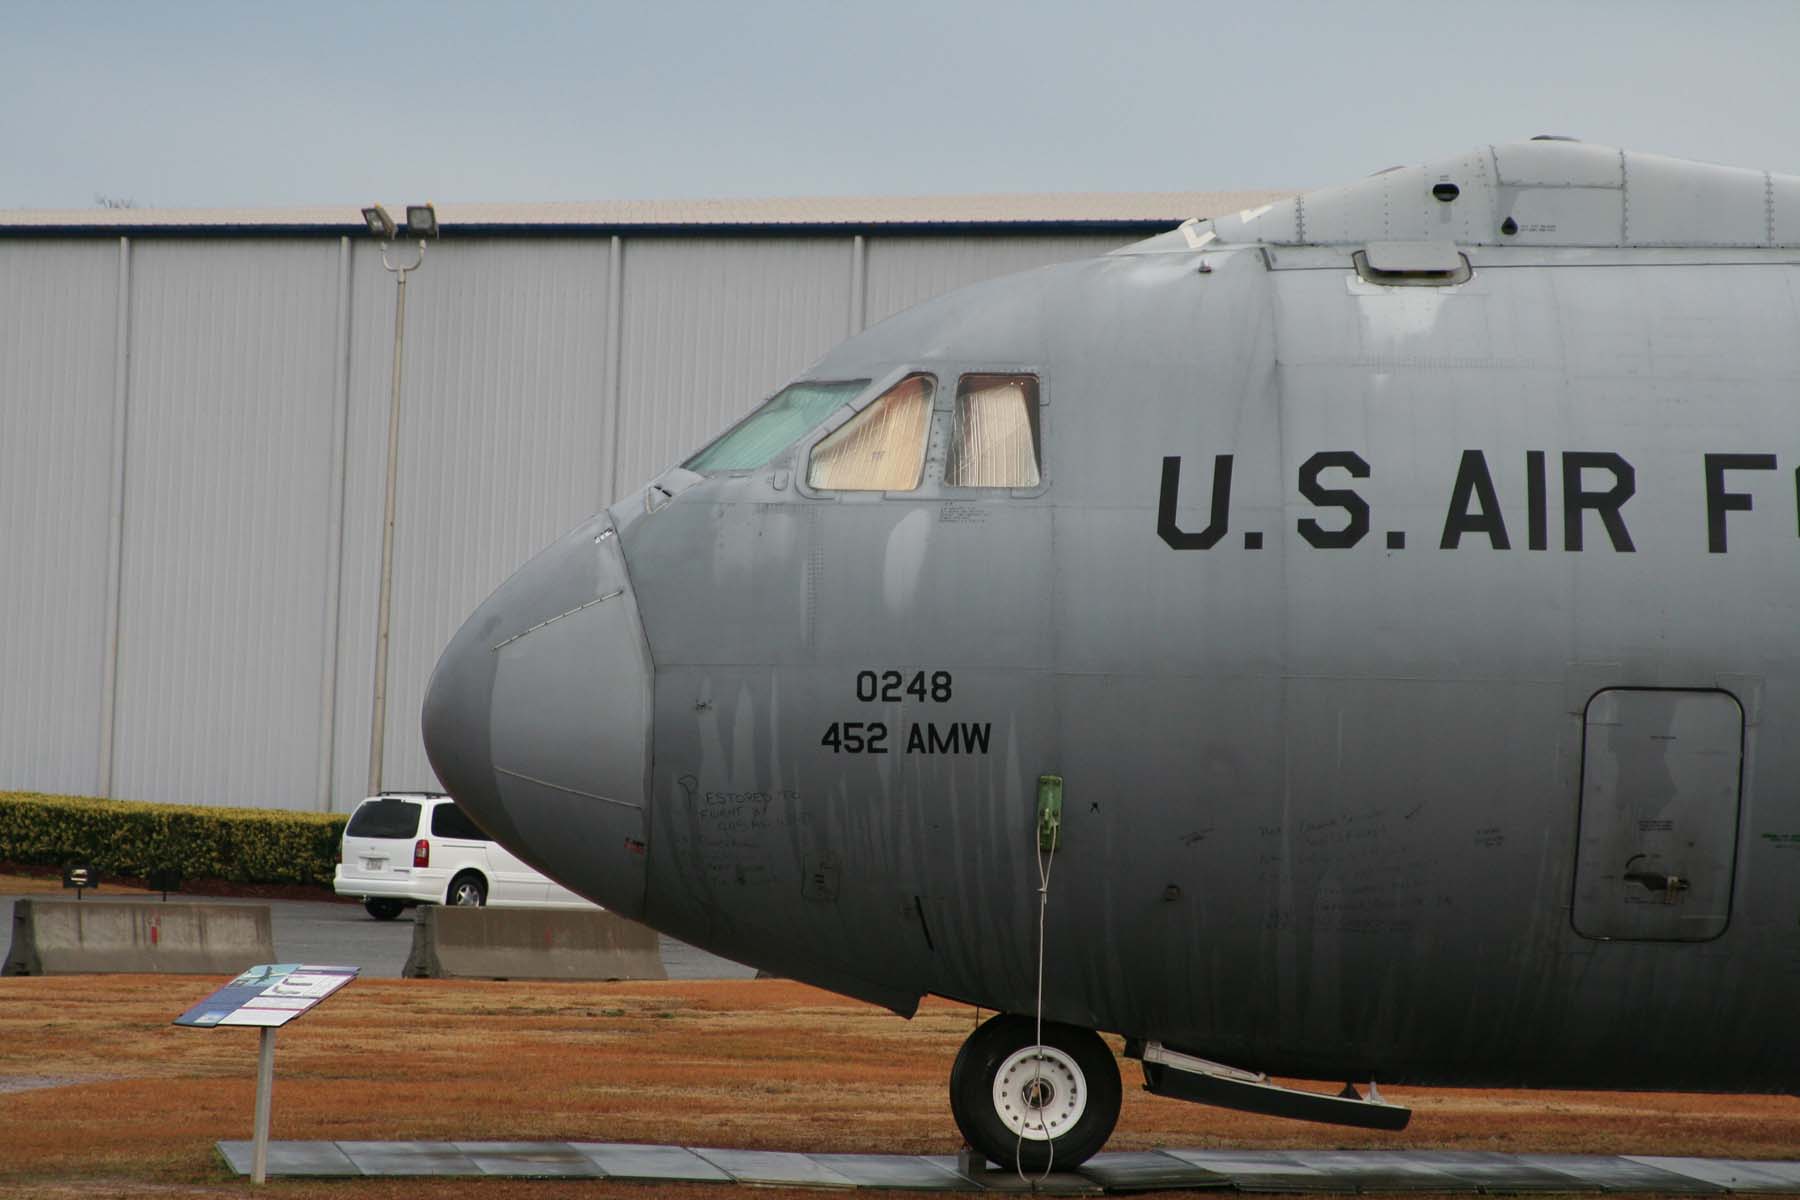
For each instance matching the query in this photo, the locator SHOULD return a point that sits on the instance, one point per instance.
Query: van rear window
(449, 821)
(384, 818)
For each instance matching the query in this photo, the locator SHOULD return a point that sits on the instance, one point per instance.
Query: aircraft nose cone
(537, 718)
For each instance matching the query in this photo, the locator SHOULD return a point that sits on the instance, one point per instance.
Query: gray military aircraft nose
(537, 718)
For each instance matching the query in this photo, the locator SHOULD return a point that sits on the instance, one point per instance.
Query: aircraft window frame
(932, 487)
(851, 390)
(844, 429)
(1035, 402)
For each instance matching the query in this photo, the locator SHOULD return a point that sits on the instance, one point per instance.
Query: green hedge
(126, 838)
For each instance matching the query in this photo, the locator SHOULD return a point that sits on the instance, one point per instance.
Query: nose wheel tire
(467, 890)
(1030, 1105)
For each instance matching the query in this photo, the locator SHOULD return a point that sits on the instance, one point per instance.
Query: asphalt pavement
(323, 931)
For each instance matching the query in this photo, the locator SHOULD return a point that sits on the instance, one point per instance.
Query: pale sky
(205, 104)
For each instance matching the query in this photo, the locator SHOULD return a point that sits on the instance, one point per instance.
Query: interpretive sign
(265, 998)
(270, 995)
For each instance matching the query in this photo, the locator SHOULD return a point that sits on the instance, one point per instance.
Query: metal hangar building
(194, 465)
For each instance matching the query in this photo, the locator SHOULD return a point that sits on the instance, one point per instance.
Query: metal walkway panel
(1345, 1171)
(1614, 1174)
(292, 1158)
(408, 1158)
(1383, 1170)
(1148, 1171)
(1739, 1175)
(530, 1160)
(1496, 1172)
(670, 1164)
(901, 1172)
(780, 1168)
(1005, 1179)
(1261, 1170)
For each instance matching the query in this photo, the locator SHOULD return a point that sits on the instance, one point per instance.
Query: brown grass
(18, 879)
(753, 1064)
(48, 882)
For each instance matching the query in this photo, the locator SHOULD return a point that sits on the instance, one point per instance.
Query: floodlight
(421, 220)
(380, 224)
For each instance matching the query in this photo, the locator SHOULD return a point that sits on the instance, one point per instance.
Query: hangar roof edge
(1042, 212)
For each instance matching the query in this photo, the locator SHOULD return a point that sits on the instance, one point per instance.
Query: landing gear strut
(1035, 1106)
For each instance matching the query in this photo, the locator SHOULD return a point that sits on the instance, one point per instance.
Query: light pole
(421, 221)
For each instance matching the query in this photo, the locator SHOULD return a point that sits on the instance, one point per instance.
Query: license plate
(374, 864)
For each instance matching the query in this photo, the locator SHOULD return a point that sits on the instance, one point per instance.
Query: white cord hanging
(1046, 860)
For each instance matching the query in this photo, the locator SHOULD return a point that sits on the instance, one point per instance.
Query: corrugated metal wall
(903, 271)
(709, 325)
(58, 302)
(503, 447)
(213, 484)
(228, 457)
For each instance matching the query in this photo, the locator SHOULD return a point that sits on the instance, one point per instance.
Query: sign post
(80, 877)
(265, 1090)
(266, 997)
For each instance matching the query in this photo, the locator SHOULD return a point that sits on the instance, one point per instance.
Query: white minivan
(407, 848)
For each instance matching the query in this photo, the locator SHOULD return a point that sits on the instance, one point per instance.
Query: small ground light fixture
(380, 224)
(421, 220)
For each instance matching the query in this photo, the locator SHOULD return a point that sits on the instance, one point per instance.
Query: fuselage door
(1660, 781)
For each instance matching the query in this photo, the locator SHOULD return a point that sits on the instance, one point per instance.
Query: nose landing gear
(1035, 1105)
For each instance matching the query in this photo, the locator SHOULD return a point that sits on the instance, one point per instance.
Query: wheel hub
(1039, 1093)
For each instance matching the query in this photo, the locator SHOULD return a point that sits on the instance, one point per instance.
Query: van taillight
(421, 853)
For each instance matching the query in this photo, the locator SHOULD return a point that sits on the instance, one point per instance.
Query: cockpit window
(783, 420)
(881, 448)
(995, 440)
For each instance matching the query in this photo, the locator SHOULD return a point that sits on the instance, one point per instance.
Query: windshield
(881, 448)
(787, 417)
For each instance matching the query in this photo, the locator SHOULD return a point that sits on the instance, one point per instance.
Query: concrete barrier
(531, 943)
(96, 937)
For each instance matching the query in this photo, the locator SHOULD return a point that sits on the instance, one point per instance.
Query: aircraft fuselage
(1418, 663)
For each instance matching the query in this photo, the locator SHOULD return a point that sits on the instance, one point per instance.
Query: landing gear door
(1660, 785)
